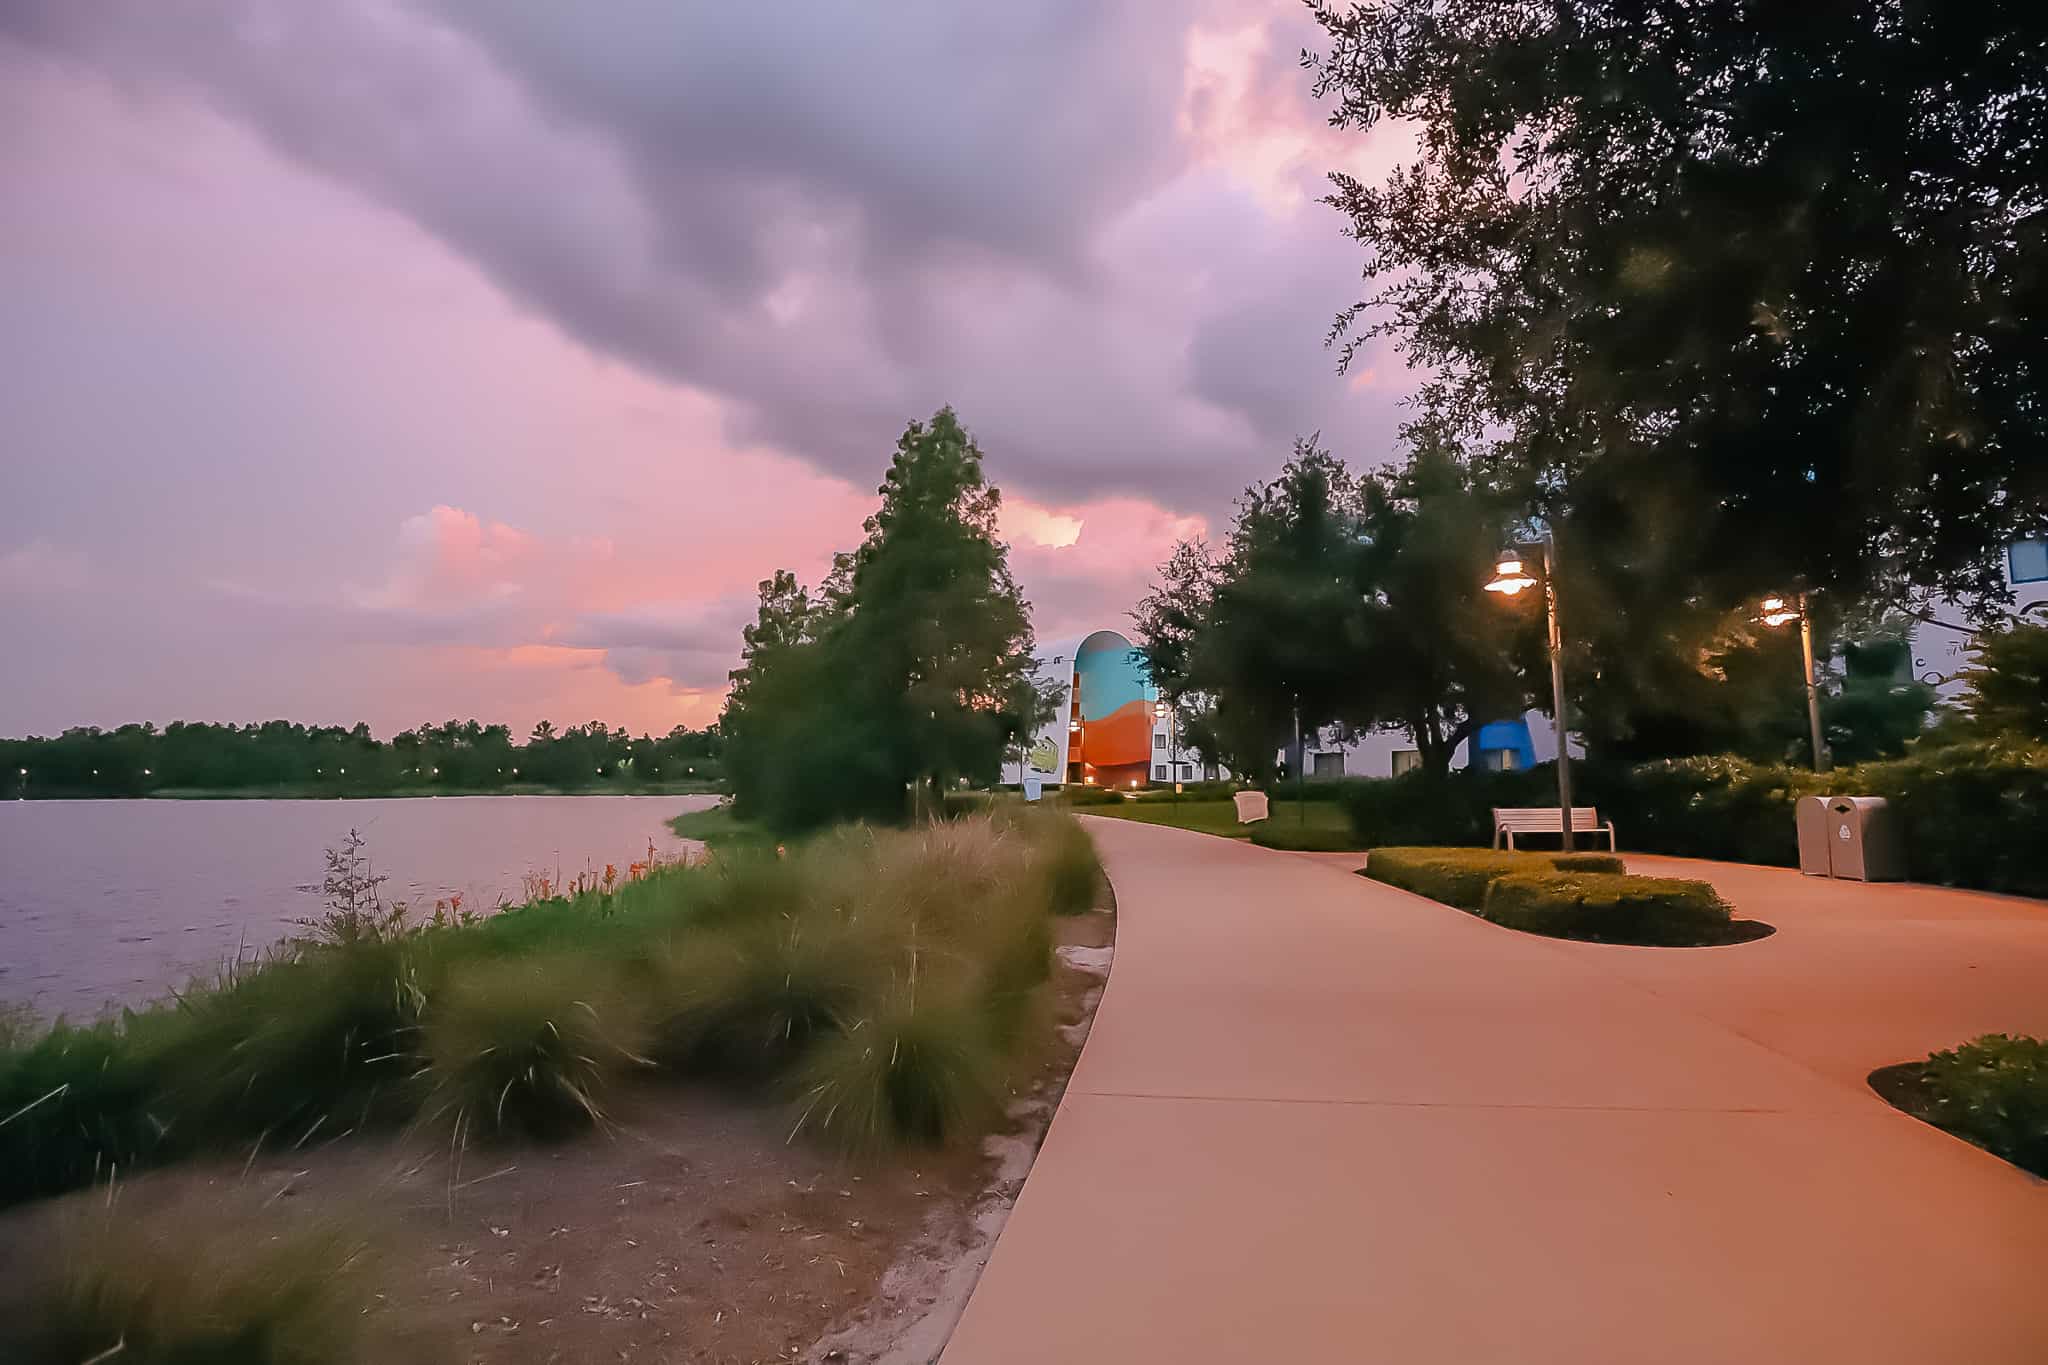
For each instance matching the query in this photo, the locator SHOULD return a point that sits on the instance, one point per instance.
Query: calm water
(117, 901)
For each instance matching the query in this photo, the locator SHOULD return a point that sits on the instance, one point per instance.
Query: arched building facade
(1101, 733)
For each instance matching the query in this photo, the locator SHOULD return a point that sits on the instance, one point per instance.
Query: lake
(116, 902)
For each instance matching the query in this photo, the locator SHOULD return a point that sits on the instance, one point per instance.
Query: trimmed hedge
(1296, 838)
(1607, 907)
(1460, 876)
(1967, 814)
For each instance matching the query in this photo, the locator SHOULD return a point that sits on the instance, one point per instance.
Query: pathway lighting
(1510, 576)
(1776, 612)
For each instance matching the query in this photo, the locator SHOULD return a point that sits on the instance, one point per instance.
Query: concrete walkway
(1322, 1120)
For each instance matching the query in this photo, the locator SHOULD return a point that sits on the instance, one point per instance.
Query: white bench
(1508, 821)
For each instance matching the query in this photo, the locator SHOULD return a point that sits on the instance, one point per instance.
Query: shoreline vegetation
(806, 1037)
(771, 968)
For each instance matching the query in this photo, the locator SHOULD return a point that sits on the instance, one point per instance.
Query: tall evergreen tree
(912, 670)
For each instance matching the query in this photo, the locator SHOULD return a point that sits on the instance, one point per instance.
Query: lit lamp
(1510, 577)
(1776, 612)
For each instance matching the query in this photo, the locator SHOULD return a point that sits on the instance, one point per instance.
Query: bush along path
(1587, 896)
(1992, 1091)
(881, 983)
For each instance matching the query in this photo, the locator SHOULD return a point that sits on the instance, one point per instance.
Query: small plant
(356, 912)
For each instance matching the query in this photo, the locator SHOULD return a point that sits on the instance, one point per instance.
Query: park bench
(1508, 821)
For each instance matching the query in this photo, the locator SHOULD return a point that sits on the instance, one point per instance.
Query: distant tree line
(135, 760)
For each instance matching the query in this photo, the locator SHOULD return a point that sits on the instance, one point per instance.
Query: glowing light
(1509, 577)
(1776, 612)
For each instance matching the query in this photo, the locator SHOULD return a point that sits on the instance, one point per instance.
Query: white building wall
(1941, 648)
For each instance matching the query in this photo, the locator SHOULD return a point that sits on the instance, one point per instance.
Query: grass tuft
(166, 1291)
(913, 1071)
(528, 1047)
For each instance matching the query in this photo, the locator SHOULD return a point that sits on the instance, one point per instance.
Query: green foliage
(1460, 876)
(528, 1045)
(1072, 870)
(1607, 907)
(910, 669)
(1355, 598)
(1091, 796)
(1283, 833)
(466, 756)
(2008, 681)
(1456, 808)
(194, 1291)
(1968, 814)
(517, 1023)
(76, 1106)
(908, 1072)
(1993, 1092)
(1747, 284)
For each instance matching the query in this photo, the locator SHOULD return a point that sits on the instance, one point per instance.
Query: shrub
(909, 1071)
(1966, 813)
(178, 1291)
(528, 1045)
(1608, 907)
(1460, 876)
(518, 1022)
(76, 1107)
(1455, 809)
(1287, 834)
(1993, 1092)
(316, 1040)
(1068, 861)
(1090, 796)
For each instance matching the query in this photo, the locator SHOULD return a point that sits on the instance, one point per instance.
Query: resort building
(1941, 642)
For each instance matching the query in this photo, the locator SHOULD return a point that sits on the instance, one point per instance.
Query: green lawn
(1220, 817)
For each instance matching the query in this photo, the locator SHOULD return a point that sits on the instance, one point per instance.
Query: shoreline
(296, 793)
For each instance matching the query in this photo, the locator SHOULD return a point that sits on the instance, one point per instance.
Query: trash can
(1810, 814)
(1863, 843)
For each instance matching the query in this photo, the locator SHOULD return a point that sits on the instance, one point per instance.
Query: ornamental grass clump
(528, 1047)
(180, 1290)
(907, 1071)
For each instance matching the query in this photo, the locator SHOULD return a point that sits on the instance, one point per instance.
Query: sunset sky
(406, 361)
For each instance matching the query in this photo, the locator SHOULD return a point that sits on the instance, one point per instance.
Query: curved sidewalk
(1322, 1120)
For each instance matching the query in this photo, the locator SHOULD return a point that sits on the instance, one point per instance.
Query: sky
(399, 361)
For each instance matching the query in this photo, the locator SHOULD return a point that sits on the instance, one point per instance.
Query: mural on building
(1101, 731)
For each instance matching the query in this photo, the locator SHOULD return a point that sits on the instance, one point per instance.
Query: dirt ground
(694, 1231)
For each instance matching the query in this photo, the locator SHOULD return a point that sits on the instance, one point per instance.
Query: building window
(1499, 760)
(1406, 760)
(1159, 773)
(2028, 560)
(1187, 772)
(1158, 740)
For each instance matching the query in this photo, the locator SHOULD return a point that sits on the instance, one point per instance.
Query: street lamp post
(1776, 613)
(1509, 579)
